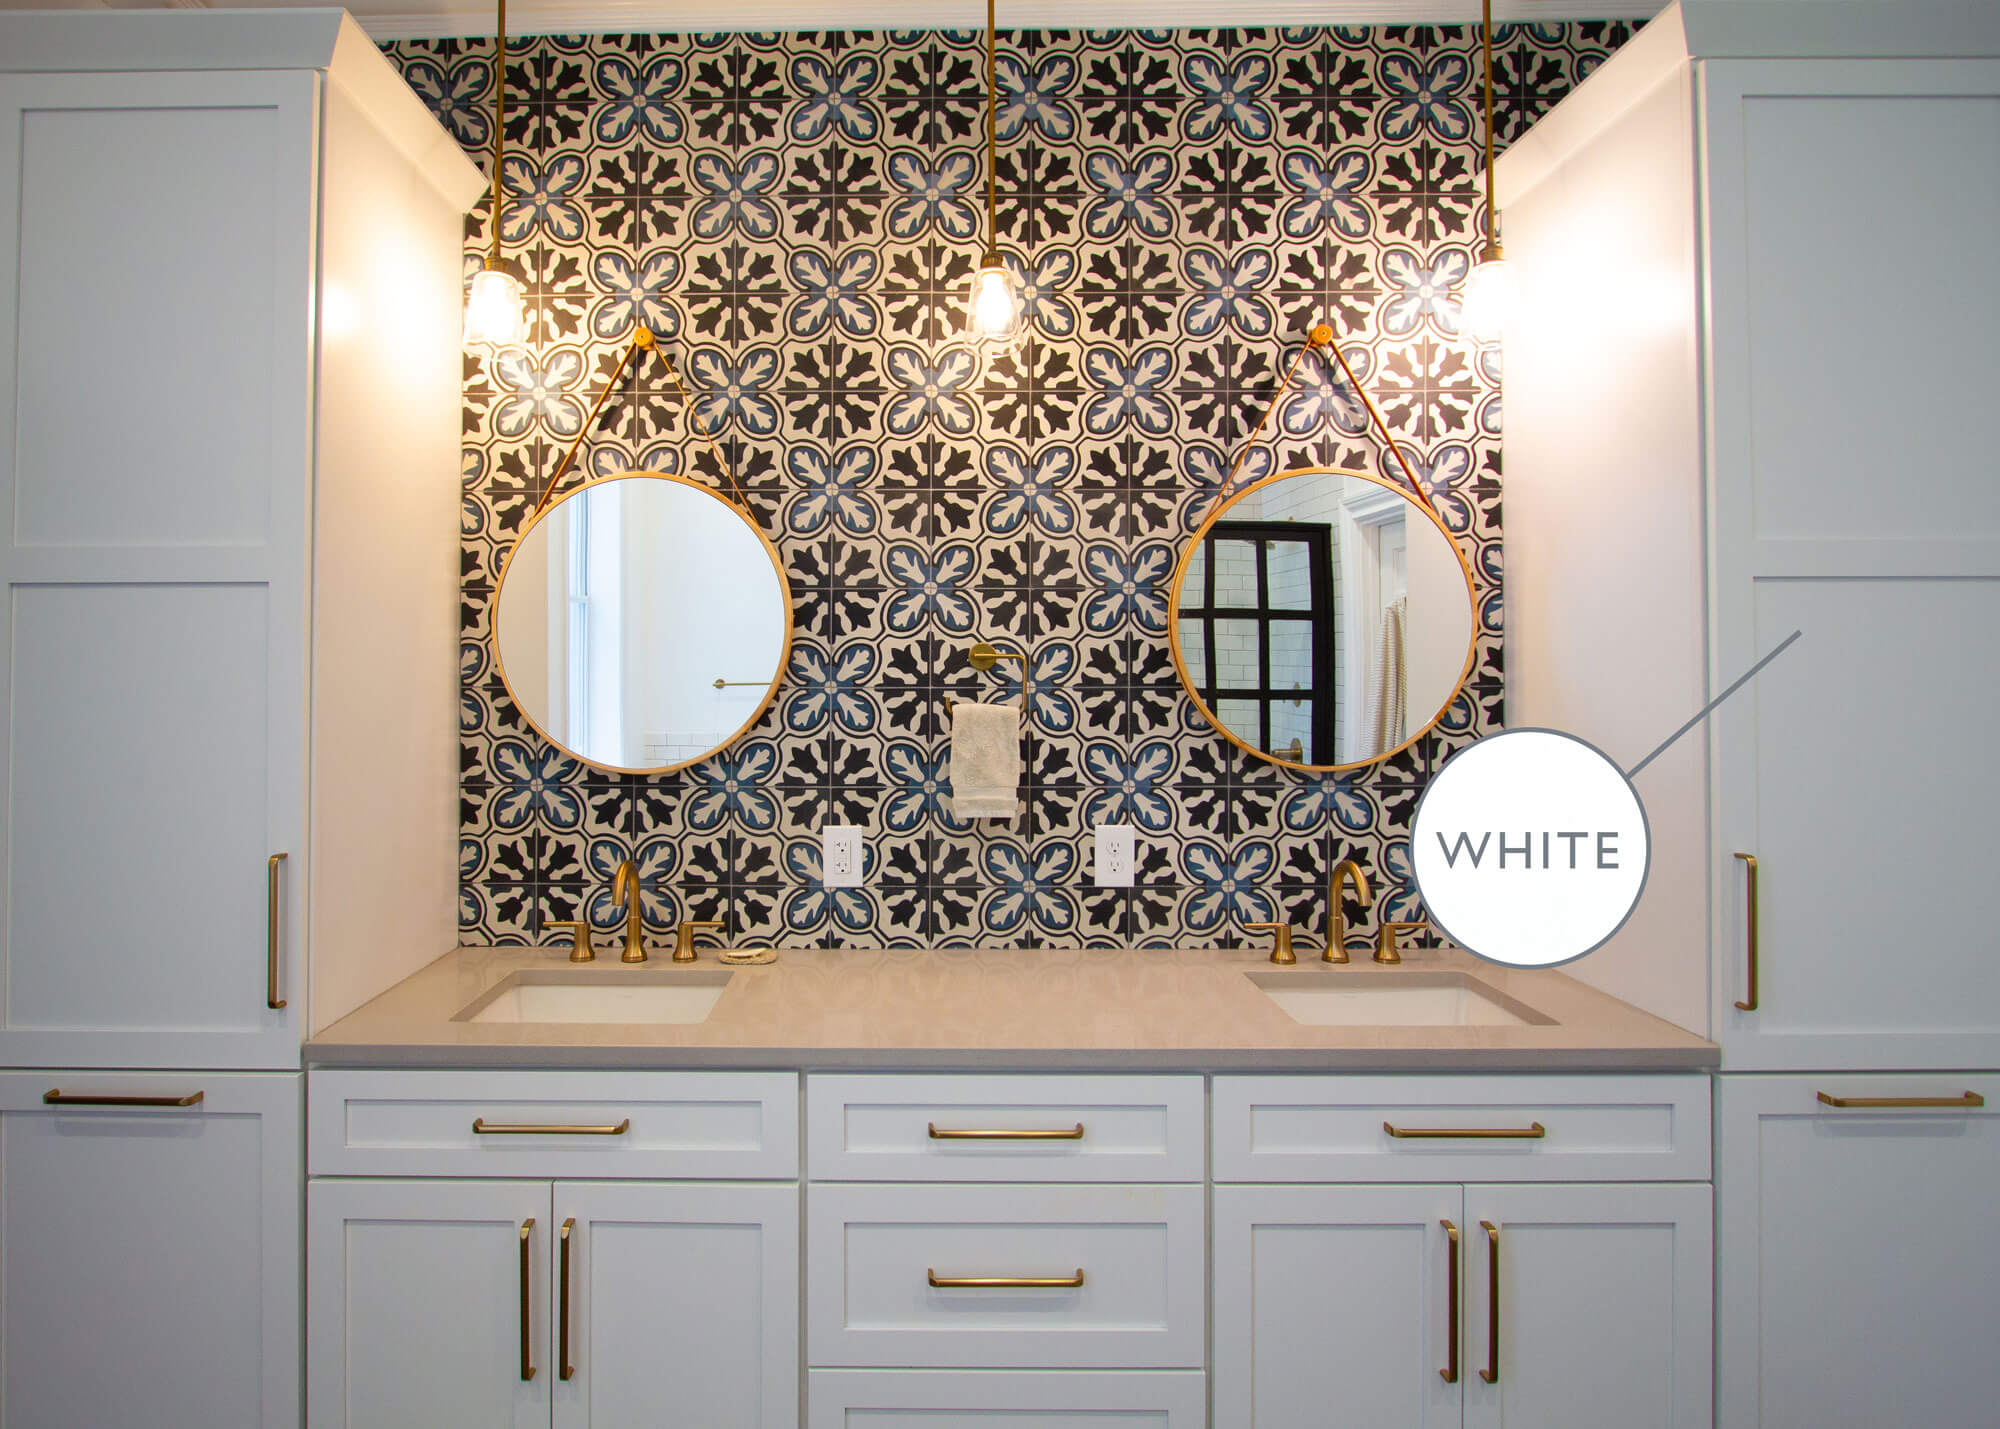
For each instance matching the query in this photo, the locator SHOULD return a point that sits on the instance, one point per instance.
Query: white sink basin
(609, 996)
(1401, 999)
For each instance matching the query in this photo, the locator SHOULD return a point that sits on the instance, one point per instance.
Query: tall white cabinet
(229, 373)
(1747, 395)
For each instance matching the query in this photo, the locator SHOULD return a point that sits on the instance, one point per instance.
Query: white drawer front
(1336, 1128)
(676, 1125)
(1063, 1128)
(873, 1250)
(1005, 1399)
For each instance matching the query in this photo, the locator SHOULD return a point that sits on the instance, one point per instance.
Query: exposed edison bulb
(993, 307)
(496, 311)
(1487, 302)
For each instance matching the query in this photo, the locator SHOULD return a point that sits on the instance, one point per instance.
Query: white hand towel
(985, 761)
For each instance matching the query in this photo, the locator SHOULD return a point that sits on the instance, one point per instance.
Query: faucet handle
(684, 938)
(1385, 942)
(1281, 948)
(580, 950)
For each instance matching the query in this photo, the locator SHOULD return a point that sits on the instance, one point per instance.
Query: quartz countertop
(1030, 1009)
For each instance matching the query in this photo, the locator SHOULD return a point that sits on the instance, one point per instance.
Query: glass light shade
(993, 306)
(1487, 303)
(496, 311)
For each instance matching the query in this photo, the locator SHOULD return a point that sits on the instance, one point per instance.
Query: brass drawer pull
(55, 1097)
(482, 1127)
(564, 1368)
(1075, 1133)
(1533, 1131)
(1005, 1282)
(1449, 1374)
(271, 998)
(1968, 1101)
(527, 1355)
(1491, 1374)
(1750, 936)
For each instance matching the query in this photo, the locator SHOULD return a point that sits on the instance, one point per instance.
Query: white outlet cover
(841, 855)
(1117, 852)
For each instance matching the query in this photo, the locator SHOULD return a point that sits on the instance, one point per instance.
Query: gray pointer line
(1742, 680)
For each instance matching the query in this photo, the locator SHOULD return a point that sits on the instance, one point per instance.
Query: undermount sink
(1365, 998)
(613, 995)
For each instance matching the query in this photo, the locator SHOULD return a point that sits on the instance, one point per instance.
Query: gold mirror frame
(1180, 576)
(777, 567)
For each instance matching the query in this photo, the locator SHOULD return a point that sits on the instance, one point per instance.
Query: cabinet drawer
(656, 1125)
(1634, 1128)
(1019, 1128)
(947, 1399)
(874, 1253)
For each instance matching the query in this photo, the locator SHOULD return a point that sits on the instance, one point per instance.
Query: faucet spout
(1336, 918)
(625, 889)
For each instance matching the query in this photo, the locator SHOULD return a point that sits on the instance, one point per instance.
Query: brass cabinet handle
(271, 998)
(565, 1369)
(1533, 1131)
(1075, 1133)
(56, 1097)
(1491, 1374)
(1968, 1100)
(1750, 893)
(1449, 1374)
(483, 1127)
(1005, 1282)
(527, 1355)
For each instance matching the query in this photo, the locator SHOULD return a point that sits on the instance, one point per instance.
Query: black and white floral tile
(796, 216)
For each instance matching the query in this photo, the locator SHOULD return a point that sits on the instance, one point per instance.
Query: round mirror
(642, 622)
(1322, 619)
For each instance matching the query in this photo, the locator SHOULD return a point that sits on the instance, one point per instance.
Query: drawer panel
(1331, 1128)
(677, 1125)
(907, 1128)
(873, 1251)
(1006, 1399)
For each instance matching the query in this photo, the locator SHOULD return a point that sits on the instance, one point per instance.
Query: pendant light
(1491, 288)
(993, 305)
(496, 310)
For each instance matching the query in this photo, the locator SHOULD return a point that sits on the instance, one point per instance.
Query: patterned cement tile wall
(796, 216)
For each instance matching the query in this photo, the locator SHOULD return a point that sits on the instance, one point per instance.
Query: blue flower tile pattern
(797, 216)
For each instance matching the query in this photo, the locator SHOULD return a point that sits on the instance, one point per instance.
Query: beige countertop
(999, 1008)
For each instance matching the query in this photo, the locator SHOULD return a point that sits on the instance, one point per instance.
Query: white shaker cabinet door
(676, 1305)
(1338, 1304)
(427, 1305)
(154, 559)
(1859, 1272)
(1603, 1297)
(149, 1251)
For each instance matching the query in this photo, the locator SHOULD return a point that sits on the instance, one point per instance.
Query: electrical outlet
(1117, 851)
(840, 855)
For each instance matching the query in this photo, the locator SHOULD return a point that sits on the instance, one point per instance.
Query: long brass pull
(483, 1127)
(527, 1355)
(565, 1368)
(1075, 1133)
(1968, 1100)
(1750, 893)
(1449, 1374)
(55, 1097)
(1533, 1131)
(271, 998)
(1005, 1282)
(1491, 1374)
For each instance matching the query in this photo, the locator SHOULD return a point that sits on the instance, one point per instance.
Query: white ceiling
(399, 19)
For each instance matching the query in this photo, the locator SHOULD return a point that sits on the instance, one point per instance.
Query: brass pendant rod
(1492, 213)
(707, 435)
(992, 139)
(641, 339)
(499, 134)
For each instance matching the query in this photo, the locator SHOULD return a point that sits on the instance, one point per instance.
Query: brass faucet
(684, 937)
(1281, 949)
(625, 889)
(1385, 941)
(1336, 917)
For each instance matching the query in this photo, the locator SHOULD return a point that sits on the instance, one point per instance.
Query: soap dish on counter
(746, 957)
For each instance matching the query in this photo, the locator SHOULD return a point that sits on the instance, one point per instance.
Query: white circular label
(1530, 848)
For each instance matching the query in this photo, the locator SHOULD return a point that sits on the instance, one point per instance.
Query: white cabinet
(228, 440)
(950, 1399)
(1859, 1272)
(149, 1251)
